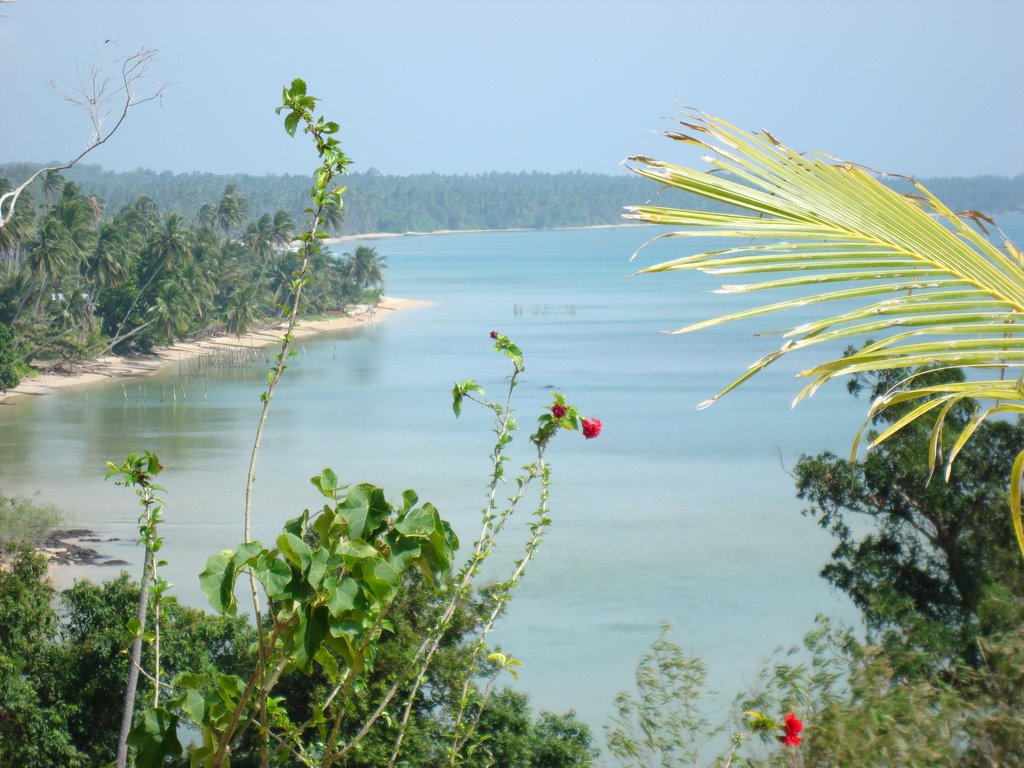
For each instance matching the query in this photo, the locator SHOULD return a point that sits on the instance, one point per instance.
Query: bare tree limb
(103, 99)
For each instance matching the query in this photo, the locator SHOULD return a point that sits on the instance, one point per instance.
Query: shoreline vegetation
(117, 366)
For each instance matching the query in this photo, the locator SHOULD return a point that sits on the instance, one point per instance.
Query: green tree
(231, 209)
(11, 353)
(936, 567)
(283, 228)
(364, 268)
(19, 228)
(662, 723)
(261, 236)
(33, 734)
(24, 522)
(49, 257)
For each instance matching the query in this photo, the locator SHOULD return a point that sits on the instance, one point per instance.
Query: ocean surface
(672, 515)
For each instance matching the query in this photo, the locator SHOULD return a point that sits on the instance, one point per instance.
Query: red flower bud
(591, 427)
(494, 334)
(559, 411)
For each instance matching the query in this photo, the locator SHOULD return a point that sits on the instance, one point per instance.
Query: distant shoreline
(389, 235)
(122, 367)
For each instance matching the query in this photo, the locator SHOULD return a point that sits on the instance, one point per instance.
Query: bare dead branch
(105, 99)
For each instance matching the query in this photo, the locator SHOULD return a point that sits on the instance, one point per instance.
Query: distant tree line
(377, 202)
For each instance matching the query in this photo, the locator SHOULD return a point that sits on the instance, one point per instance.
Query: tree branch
(98, 96)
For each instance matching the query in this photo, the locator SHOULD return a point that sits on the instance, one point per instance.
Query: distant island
(377, 202)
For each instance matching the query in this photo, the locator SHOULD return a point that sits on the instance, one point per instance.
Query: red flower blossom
(793, 728)
(591, 427)
(558, 411)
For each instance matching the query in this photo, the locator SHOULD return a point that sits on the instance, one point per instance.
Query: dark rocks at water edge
(69, 547)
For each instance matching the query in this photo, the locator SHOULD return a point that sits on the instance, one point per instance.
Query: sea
(673, 515)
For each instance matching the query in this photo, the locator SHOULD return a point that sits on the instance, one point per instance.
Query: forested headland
(81, 276)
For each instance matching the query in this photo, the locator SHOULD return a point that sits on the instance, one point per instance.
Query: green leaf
(194, 705)
(295, 550)
(342, 595)
(364, 510)
(155, 738)
(409, 499)
(326, 660)
(317, 567)
(218, 582)
(246, 553)
(313, 627)
(274, 574)
(327, 527)
(327, 483)
(297, 525)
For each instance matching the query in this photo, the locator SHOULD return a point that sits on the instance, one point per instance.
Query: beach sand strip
(116, 366)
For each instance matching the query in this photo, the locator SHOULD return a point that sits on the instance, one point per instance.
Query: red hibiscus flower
(792, 728)
(591, 427)
(558, 411)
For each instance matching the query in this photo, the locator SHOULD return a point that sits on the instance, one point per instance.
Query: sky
(922, 87)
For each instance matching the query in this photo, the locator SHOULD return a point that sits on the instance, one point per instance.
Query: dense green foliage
(62, 669)
(10, 357)
(936, 567)
(76, 280)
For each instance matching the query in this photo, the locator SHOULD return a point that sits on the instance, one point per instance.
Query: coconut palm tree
(108, 262)
(365, 268)
(19, 228)
(260, 237)
(169, 245)
(53, 183)
(926, 285)
(284, 228)
(170, 311)
(207, 215)
(231, 209)
(50, 256)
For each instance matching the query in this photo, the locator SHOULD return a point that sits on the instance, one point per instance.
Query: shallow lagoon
(672, 515)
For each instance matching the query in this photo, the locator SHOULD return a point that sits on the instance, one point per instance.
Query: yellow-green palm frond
(925, 285)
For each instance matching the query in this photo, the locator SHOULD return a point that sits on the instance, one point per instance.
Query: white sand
(115, 366)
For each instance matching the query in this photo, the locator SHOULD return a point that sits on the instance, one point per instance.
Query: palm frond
(927, 287)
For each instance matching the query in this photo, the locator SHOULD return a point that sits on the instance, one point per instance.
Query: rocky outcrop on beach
(71, 547)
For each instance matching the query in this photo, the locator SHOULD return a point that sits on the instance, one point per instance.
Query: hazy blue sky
(926, 87)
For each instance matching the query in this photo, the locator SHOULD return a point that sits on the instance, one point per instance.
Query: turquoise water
(672, 515)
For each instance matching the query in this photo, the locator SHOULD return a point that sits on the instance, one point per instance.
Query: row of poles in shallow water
(198, 367)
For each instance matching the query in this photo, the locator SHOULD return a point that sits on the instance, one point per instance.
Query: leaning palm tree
(928, 288)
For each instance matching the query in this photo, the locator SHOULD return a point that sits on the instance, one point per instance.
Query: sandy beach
(115, 366)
